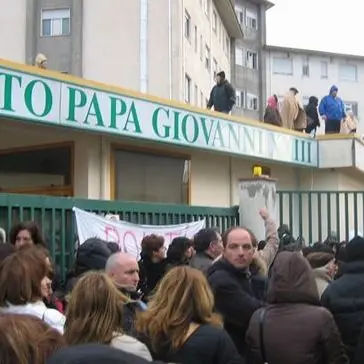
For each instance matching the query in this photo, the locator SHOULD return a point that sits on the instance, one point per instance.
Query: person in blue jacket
(332, 110)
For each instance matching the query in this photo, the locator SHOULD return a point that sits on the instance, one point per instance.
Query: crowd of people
(213, 299)
(290, 113)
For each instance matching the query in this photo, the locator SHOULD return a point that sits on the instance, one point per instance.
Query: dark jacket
(222, 97)
(313, 120)
(359, 353)
(94, 354)
(131, 307)
(344, 297)
(296, 329)
(238, 295)
(207, 345)
(91, 255)
(150, 274)
(272, 116)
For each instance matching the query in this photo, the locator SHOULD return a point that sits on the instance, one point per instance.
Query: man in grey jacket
(208, 246)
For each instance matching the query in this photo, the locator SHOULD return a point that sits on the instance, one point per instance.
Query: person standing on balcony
(222, 96)
(272, 115)
(292, 114)
(313, 120)
(332, 110)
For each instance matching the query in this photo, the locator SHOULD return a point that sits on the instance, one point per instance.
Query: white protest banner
(128, 235)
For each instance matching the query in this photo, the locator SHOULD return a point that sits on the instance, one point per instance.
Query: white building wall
(316, 84)
(12, 30)
(211, 34)
(112, 46)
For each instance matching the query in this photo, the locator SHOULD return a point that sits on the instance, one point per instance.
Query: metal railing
(55, 216)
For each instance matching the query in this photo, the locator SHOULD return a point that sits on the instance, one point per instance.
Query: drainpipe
(102, 169)
(144, 46)
(183, 53)
(170, 48)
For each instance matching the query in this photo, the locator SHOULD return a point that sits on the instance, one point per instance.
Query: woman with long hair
(95, 313)
(180, 325)
(24, 283)
(26, 339)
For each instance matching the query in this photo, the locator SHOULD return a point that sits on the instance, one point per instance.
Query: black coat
(238, 295)
(344, 297)
(222, 97)
(150, 274)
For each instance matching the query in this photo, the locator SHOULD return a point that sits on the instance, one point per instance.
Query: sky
(326, 25)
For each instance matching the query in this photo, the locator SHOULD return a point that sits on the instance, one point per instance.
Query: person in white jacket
(95, 315)
(24, 283)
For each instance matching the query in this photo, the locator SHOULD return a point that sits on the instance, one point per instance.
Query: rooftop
(312, 52)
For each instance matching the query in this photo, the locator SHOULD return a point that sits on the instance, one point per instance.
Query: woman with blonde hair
(180, 325)
(94, 315)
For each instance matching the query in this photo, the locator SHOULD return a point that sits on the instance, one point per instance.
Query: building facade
(171, 49)
(249, 66)
(66, 136)
(313, 73)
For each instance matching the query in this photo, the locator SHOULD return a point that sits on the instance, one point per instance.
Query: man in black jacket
(344, 297)
(222, 96)
(237, 292)
(123, 269)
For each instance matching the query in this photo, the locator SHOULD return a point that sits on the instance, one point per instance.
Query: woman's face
(23, 238)
(46, 287)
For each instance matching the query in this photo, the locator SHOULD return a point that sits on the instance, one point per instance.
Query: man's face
(216, 246)
(126, 275)
(239, 250)
(218, 79)
(334, 93)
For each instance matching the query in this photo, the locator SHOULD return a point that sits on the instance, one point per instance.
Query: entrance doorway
(40, 170)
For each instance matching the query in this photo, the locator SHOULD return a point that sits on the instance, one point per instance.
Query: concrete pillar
(255, 194)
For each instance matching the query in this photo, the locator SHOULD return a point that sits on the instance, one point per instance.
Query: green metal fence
(313, 215)
(54, 215)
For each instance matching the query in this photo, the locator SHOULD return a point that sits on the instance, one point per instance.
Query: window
(252, 60)
(201, 100)
(187, 25)
(196, 39)
(348, 72)
(187, 89)
(201, 47)
(351, 106)
(207, 7)
(207, 58)
(251, 19)
(196, 95)
(282, 66)
(239, 56)
(251, 102)
(56, 22)
(214, 21)
(324, 69)
(240, 99)
(151, 177)
(240, 15)
(306, 66)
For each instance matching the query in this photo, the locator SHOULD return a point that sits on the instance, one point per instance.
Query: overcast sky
(327, 25)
